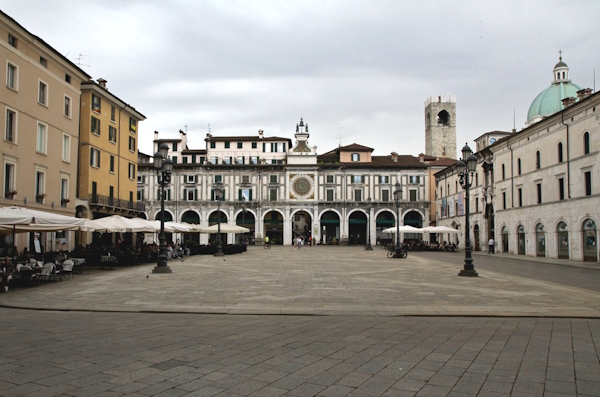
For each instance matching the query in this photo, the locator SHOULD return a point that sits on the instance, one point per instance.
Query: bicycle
(393, 253)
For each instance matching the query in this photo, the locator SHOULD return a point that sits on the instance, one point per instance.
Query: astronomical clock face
(302, 187)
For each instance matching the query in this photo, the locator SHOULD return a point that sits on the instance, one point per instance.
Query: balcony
(111, 203)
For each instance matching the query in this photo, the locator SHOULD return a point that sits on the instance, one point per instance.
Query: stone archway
(330, 227)
(193, 218)
(357, 228)
(385, 219)
(246, 219)
(213, 219)
(414, 219)
(301, 224)
(273, 227)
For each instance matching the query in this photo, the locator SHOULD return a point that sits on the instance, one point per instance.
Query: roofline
(99, 89)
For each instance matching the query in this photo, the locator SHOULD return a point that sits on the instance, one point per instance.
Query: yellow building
(39, 115)
(107, 154)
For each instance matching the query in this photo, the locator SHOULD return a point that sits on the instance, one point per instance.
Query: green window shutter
(283, 147)
(239, 194)
(212, 195)
(264, 147)
(250, 195)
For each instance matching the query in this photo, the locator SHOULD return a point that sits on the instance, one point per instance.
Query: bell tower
(440, 126)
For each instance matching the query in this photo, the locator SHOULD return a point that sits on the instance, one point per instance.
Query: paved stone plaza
(320, 321)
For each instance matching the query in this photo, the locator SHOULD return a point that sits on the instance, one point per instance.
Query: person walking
(267, 242)
(491, 245)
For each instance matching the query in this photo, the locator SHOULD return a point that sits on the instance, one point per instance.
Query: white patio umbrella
(440, 229)
(18, 219)
(117, 223)
(403, 229)
(225, 228)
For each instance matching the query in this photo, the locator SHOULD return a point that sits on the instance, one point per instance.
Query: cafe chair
(48, 272)
(67, 269)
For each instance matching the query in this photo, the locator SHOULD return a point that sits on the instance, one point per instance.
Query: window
(240, 160)
(96, 103)
(12, 40)
(588, 183)
(240, 145)
(226, 145)
(254, 160)
(189, 194)
(355, 156)
(95, 126)
(539, 193)
(42, 137)
(67, 110)
(227, 160)
(503, 200)
(112, 164)
(384, 179)
(477, 179)
(273, 179)
(43, 62)
(141, 179)
(538, 160)
(112, 134)
(10, 134)
(213, 145)
(218, 178)
(132, 125)
(272, 194)
(254, 145)
(357, 195)
(95, 157)
(519, 166)
(245, 179)
(503, 172)
(476, 205)
(43, 93)
(132, 144)
(586, 143)
(357, 179)
(9, 181)
(131, 171)
(412, 195)
(39, 186)
(414, 179)
(174, 146)
(190, 179)
(385, 195)
(113, 113)
(330, 196)
(68, 78)
(64, 192)
(214, 160)
(140, 195)
(520, 196)
(11, 76)
(329, 179)
(561, 188)
(560, 152)
(66, 148)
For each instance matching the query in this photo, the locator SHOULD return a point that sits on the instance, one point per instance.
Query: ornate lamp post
(244, 218)
(163, 167)
(369, 247)
(397, 199)
(219, 196)
(466, 168)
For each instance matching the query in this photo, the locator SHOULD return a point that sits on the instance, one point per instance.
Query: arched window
(586, 143)
(519, 166)
(538, 160)
(456, 186)
(560, 152)
(503, 172)
(564, 75)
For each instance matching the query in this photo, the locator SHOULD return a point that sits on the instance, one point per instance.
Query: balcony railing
(107, 201)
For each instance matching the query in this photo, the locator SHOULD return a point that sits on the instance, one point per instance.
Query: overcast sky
(356, 71)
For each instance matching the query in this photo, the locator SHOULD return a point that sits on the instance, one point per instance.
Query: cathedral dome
(549, 101)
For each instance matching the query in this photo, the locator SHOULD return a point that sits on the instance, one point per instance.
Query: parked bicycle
(396, 253)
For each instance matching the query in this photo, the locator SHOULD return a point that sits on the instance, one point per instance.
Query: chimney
(260, 134)
(421, 157)
(584, 93)
(156, 135)
(394, 157)
(102, 83)
(568, 101)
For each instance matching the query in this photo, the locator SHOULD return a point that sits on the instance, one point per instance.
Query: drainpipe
(512, 177)
(562, 114)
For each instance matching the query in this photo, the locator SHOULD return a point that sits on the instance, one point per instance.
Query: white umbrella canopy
(403, 229)
(193, 227)
(440, 229)
(225, 228)
(117, 223)
(19, 219)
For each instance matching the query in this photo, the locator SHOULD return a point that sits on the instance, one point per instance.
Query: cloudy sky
(356, 71)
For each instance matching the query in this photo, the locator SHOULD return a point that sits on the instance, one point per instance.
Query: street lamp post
(219, 196)
(369, 247)
(466, 168)
(397, 199)
(163, 167)
(244, 218)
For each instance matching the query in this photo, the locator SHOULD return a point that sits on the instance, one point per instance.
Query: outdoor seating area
(33, 272)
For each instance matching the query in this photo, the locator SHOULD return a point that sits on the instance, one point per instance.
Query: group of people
(299, 241)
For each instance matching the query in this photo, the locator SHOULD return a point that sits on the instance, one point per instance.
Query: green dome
(549, 101)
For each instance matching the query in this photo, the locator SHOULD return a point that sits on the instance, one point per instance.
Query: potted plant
(11, 193)
(65, 200)
(40, 196)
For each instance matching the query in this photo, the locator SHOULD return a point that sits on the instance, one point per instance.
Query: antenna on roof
(514, 118)
(209, 129)
(340, 135)
(80, 58)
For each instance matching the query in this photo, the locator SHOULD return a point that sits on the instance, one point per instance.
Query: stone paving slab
(329, 281)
